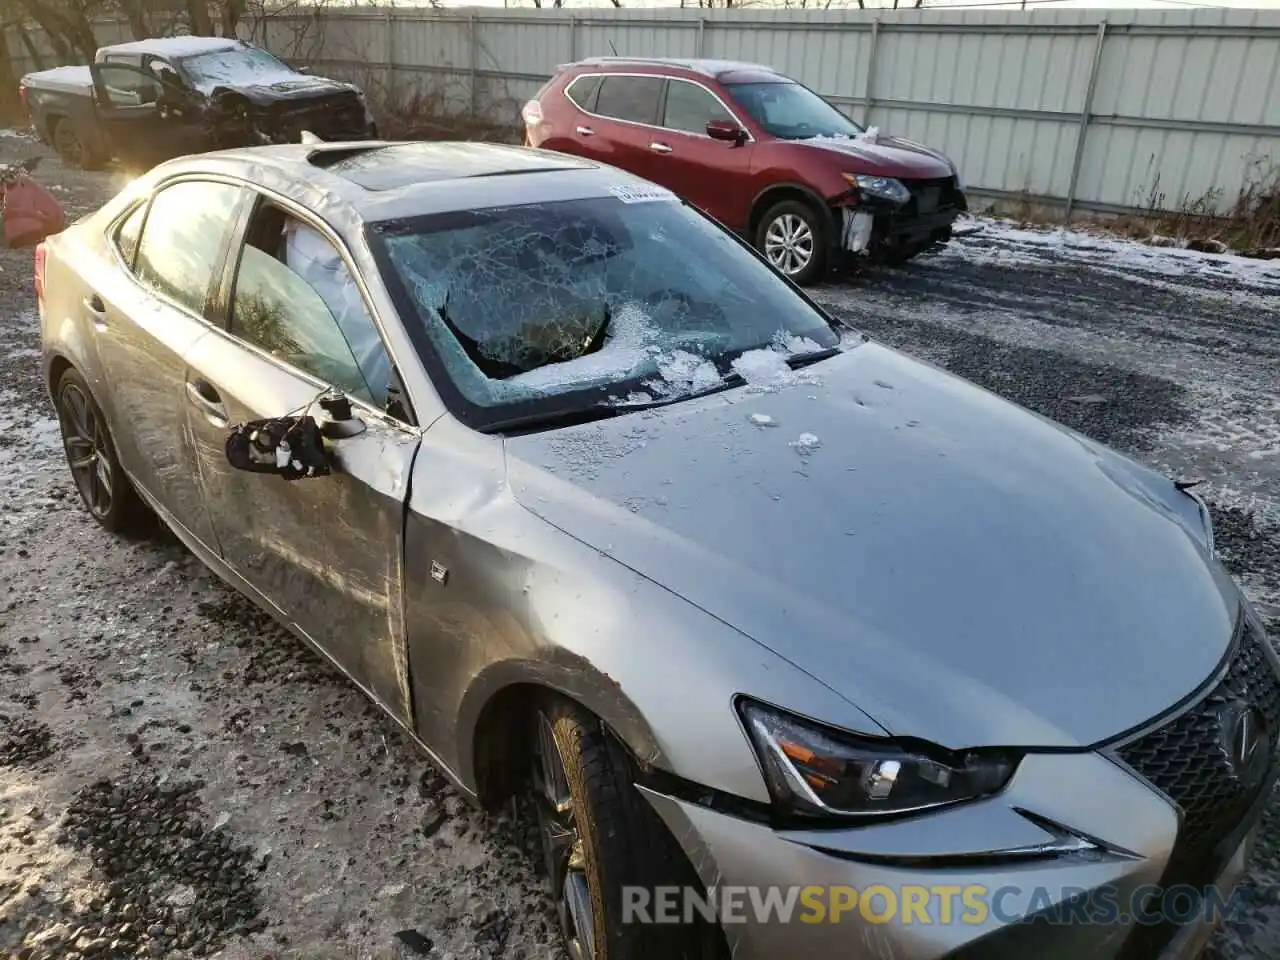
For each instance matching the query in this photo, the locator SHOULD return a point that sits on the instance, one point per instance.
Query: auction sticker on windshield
(641, 193)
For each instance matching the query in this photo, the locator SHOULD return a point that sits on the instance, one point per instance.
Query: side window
(630, 98)
(129, 232)
(296, 299)
(183, 238)
(691, 107)
(126, 86)
(582, 91)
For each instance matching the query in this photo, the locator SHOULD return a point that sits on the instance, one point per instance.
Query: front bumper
(976, 882)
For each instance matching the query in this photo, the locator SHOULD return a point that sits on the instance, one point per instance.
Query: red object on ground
(31, 213)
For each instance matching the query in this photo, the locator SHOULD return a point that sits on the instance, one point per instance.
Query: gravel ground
(178, 777)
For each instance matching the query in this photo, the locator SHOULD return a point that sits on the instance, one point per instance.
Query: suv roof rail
(708, 66)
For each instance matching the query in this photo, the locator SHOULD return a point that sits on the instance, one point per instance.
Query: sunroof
(391, 166)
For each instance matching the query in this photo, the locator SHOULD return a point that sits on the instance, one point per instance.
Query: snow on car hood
(957, 567)
(904, 158)
(285, 85)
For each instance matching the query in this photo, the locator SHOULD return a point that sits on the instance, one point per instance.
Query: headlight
(886, 187)
(815, 770)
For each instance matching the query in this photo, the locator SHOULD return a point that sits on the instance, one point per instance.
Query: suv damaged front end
(892, 219)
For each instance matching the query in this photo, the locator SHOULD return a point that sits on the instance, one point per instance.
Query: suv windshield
(539, 311)
(791, 111)
(240, 65)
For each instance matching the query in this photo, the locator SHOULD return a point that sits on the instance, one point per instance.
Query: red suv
(763, 154)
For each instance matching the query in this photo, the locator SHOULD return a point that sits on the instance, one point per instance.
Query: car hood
(886, 156)
(287, 87)
(958, 568)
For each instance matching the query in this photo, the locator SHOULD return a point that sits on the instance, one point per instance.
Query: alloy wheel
(84, 438)
(788, 244)
(562, 845)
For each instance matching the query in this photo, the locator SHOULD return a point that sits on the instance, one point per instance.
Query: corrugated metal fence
(1109, 110)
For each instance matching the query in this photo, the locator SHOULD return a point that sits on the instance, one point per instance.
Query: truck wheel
(73, 147)
(793, 238)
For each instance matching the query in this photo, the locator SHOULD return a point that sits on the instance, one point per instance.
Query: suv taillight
(531, 113)
(39, 271)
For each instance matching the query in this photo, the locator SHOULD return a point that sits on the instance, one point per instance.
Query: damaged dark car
(152, 100)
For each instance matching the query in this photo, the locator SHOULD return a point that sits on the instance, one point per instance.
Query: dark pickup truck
(150, 100)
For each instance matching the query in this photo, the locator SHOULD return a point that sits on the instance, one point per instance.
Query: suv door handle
(205, 398)
(586, 131)
(660, 147)
(97, 311)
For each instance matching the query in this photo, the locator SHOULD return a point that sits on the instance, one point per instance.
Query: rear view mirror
(727, 131)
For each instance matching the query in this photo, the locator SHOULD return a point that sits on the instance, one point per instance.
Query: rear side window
(183, 238)
(582, 91)
(129, 232)
(690, 107)
(630, 98)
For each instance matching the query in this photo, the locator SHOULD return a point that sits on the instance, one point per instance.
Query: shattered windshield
(238, 66)
(554, 306)
(791, 111)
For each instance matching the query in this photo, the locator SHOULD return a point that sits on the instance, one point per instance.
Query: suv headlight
(813, 770)
(885, 187)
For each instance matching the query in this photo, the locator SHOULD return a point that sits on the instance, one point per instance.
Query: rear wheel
(74, 147)
(91, 454)
(599, 836)
(792, 237)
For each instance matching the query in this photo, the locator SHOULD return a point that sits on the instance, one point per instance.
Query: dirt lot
(179, 777)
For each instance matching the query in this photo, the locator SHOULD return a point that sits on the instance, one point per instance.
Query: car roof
(364, 180)
(716, 69)
(174, 46)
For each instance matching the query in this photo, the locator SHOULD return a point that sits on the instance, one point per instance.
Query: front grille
(342, 115)
(1189, 760)
(937, 195)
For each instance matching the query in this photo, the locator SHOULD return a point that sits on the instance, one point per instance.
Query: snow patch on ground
(1005, 243)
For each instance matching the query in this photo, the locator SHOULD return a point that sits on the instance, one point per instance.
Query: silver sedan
(802, 647)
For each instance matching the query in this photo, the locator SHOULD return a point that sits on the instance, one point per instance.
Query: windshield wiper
(605, 409)
(798, 360)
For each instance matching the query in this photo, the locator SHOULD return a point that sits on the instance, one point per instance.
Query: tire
(91, 455)
(792, 235)
(75, 149)
(598, 836)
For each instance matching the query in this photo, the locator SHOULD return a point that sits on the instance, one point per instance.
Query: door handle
(97, 311)
(586, 132)
(205, 398)
(660, 147)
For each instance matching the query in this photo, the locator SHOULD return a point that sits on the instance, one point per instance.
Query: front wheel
(599, 837)
(793, 238)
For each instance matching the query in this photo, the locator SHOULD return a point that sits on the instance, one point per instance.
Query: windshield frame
(730, 86)
(598, 399)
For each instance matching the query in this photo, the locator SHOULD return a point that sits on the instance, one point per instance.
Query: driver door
(326, 552)
(146, 120)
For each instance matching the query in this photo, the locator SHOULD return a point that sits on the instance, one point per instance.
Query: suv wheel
(598, 836)
(793, 239)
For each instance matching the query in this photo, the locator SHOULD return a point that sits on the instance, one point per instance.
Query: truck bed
(75, 79)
